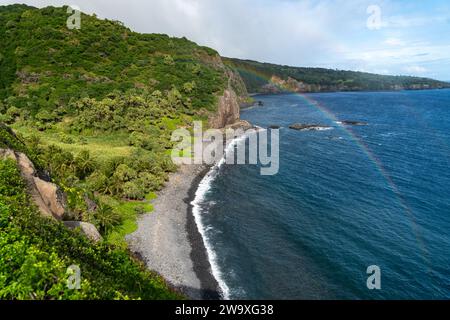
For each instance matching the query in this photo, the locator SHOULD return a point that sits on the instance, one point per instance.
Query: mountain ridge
(261, 77)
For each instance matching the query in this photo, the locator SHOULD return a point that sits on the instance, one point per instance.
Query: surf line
(200, 197)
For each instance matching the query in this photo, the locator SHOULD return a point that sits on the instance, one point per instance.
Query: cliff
(228, 110)
(228, 105)
(271, 78)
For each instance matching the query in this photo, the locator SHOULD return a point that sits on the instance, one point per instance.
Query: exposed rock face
(46, 195)
(86, 228)
(238, 86)
(228, 111)
(308, 127)
(241, 124)
(353, 123)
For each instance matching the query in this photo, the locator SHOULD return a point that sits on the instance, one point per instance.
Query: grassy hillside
(35, 252)
(46, 65)
(97, 106)
(271, 78)
(94, 109)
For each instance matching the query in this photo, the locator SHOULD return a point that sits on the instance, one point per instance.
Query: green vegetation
(94, 110)
(97, 105)
(45, 65)
(35, 252)
(271, 78)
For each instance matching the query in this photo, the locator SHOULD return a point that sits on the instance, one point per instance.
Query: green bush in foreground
(35, 253)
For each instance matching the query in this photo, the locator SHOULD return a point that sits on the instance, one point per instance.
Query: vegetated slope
(98, 105)
(36, 252)
(45, 64)
(272, 78)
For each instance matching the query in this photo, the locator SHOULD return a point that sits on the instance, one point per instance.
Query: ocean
(344, 199)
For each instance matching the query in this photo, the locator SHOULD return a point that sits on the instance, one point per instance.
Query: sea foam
(199, 200)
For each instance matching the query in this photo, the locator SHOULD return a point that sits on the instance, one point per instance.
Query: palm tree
(85, 164)
(106, 218)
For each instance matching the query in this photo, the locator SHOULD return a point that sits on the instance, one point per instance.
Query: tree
(106, 218)
(84, 164)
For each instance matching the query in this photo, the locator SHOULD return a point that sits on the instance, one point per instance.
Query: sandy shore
(168, 239)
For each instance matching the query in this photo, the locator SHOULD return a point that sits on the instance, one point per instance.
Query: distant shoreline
(255, 94)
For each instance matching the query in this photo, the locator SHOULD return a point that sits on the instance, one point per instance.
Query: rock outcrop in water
(308, 127)
(353, 123)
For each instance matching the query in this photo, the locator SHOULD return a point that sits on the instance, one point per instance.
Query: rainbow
(378, 165)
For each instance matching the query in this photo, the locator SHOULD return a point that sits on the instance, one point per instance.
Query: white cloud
(394, 42)
(415, 70)
(320, 33)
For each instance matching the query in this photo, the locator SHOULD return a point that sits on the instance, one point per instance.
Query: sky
(399, 37)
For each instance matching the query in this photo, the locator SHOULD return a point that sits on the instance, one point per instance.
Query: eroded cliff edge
(234, 96)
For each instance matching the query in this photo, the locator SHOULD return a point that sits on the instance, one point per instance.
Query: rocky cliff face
(278, 85)
(228, 108)
(46, 195)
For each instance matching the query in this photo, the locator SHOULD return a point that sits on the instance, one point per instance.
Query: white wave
(323, 128)
(200, 197)
(317, 128)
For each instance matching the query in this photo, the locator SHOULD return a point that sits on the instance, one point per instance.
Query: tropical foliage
(93, 109)
(36, 252)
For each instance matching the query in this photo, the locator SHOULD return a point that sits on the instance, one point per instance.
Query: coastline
(199, 256)
(169, 241)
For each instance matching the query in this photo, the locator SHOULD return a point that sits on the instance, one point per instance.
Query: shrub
(84, 164)
(35, 253)
(133, 190)
(105, 217)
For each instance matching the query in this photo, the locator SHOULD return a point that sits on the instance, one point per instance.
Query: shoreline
(199, 254)
(168, 239)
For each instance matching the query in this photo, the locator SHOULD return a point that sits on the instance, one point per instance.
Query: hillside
(99, 104)
(45, 65)
(94, 110)
(272, 78)
(35, 251)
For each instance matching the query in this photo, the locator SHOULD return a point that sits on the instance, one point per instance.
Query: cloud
(318, 33)
(394, 42)
(413, 22)
(415, 70)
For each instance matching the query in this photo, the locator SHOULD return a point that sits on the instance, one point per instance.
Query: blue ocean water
(343, 200)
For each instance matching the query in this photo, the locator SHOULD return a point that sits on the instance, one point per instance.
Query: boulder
(47, 196)
(353, 123)
(241, 124)
(86, 228)
(301, 126)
